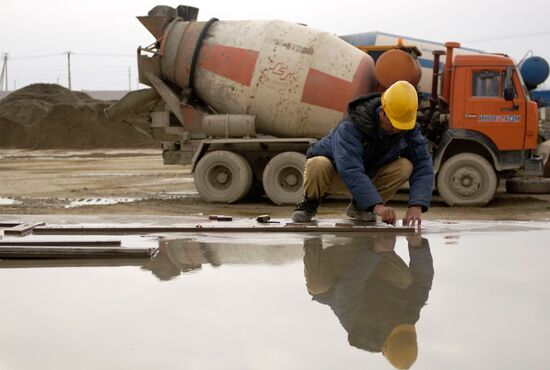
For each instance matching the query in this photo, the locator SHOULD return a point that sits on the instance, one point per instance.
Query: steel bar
(123, 261)
(51, 230)
(73, 252)
(61, 243)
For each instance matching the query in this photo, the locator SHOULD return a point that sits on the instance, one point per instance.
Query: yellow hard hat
(400, 102)
(400, 348)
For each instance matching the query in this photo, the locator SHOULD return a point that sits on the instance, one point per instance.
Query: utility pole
(6, 67)
(2, 76)
(129, 79)
(69, 68)
(4, 73)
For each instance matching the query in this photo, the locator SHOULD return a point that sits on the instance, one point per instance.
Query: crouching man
(374, 150)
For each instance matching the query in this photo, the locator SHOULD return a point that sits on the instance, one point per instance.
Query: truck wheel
(467, 179)
(223, 177)
(528, 185)
(283, 178)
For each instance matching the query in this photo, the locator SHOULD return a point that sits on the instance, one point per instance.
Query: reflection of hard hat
(400, 348)
(400, 102)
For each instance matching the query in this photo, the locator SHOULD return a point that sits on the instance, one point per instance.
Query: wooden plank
(23, 229)
(73, 252)
(61, 243)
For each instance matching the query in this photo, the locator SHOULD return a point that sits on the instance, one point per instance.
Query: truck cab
(480, 104)
(492, 128)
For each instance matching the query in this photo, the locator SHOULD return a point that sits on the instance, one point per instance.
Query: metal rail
(54, 230)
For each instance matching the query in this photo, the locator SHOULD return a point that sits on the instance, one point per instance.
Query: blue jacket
(358, 148)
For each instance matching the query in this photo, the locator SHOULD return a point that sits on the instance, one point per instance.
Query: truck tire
(283, 178)
(528, 185)
(467, 179)
(223, 177)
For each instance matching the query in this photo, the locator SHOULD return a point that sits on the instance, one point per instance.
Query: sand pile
(46, 116)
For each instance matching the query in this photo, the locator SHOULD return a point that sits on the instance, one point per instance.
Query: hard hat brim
(405, 126)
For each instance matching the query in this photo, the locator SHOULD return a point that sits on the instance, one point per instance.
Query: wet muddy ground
(464, 294)
(136, 182)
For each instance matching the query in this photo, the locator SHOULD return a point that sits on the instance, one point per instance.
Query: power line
(74, 53)
(497, 38)
(106, 55)
(90, 69)
(99, 73)
(37, 56)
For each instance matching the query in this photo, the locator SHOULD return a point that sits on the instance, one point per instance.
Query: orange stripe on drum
(232, 63)
(327, 91)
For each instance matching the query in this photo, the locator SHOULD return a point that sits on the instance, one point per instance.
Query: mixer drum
(297, 81)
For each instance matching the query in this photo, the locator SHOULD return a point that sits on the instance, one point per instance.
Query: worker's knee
(319, 164)
(403, 168)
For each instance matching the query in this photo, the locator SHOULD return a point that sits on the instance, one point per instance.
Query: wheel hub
(467, 181)
(290, 178)
(220, 177)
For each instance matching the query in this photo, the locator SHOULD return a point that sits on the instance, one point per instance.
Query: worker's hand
(387, 214)
(416, 241)
(413, 216)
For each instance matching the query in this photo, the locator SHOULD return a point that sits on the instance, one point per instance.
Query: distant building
(426, 47)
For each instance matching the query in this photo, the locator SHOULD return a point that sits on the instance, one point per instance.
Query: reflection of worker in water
(177, 256)
(375, 295)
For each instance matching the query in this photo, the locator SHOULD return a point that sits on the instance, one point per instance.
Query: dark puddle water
(462, 297)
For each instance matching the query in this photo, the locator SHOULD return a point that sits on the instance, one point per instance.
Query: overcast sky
(37, 28)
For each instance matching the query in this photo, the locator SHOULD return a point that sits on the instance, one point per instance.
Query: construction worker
(376, 296)
(375, 149)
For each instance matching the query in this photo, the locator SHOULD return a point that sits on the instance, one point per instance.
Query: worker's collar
(379, 132)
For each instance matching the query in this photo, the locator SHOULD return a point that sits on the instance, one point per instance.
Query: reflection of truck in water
(245, 99)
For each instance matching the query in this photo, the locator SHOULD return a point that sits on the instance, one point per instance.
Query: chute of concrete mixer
(295, 80)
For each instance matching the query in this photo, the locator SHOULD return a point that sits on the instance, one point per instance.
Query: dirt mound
(47, 116)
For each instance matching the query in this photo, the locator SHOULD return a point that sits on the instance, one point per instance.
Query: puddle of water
(75, 154)
(179, 194)
(99, 202)
(453, 299)
(8, 202)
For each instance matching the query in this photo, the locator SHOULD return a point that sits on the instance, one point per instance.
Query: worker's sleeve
(422, 177)
(422, 268)
(348, 158)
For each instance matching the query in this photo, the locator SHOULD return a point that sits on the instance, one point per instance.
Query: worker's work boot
(305, 210)
(359, 214)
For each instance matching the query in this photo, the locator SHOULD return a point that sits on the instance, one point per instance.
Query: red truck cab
(492, 127)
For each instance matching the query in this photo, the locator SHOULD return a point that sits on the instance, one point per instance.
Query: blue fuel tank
(534, 71)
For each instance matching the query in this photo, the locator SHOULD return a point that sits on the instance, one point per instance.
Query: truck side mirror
(509, 93)
(508, 84)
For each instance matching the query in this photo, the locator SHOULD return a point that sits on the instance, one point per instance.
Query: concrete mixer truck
(244, 100)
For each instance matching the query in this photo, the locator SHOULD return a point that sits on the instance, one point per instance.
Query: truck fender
(458, 134)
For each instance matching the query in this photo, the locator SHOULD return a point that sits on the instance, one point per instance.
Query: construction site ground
(136, 182)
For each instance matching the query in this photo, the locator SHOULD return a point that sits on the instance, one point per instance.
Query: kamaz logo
(499, 118)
